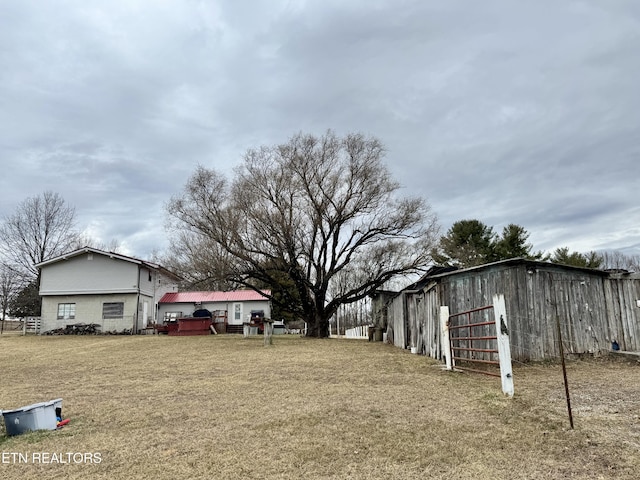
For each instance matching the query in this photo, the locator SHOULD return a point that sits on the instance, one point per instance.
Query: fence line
(361, 332)
(32, 325)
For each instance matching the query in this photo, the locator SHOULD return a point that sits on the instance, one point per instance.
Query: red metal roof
(209, 297)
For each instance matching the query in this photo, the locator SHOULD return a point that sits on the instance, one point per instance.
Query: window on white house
(112, 310)
(66, 311)
(237, 312)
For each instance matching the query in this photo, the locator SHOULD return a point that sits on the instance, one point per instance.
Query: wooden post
(444, 337)
(564, 371)
(504, 348)
(268, 331)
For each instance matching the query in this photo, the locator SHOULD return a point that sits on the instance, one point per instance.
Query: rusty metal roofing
(210, 297)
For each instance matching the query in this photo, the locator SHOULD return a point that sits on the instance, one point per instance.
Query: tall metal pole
(564, 371)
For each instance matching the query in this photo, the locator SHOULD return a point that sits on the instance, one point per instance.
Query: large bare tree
(318, 219)
(41, 227)
(198, 260)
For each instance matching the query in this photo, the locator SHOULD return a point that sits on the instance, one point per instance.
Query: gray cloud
(510, 112)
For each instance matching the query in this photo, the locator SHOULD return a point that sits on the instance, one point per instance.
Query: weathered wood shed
(379, 302)
(594, 307)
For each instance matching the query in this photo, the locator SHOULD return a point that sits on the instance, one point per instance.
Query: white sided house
(233, 308)
(88, 285)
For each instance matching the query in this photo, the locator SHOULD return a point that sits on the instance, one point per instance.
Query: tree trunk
(318, 326)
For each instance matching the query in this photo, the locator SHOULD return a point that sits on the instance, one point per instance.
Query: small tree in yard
(317, 219)
(41, 228)
(10, 284)
(26, 303)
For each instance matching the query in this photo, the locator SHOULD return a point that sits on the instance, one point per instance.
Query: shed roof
(210, 297)
(518, 261)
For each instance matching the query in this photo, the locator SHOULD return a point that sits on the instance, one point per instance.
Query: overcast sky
(507, 111)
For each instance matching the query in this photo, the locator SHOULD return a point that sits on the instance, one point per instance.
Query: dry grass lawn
(227, 407)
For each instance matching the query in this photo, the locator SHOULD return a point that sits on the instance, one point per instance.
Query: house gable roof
(118, 256)
(212, 297)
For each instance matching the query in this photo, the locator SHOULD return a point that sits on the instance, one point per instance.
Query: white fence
(31, 325)
(361, 332)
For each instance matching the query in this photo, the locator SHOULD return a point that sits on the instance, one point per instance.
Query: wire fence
(560, 346)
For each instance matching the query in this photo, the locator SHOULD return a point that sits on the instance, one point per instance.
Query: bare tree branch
(42, 227)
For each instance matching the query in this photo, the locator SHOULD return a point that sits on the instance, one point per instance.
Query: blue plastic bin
(39, 416)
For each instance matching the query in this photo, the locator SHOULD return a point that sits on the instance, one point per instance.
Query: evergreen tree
(513, 244)
(576, 259)
(27, 302)
(466, 244)
(469, 243)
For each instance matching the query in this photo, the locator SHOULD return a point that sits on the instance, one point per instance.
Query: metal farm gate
(463, 332)
(478, 336)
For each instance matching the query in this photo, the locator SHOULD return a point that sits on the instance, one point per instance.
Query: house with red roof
(233, 308)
